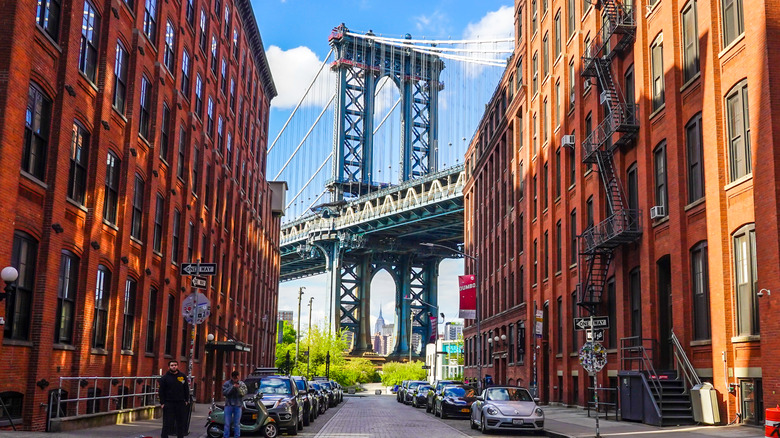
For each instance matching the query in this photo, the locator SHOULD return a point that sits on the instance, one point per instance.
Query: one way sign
(199, 269)
(599, 322)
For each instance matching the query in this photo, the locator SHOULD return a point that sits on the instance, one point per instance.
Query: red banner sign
(434, 330)
(468, 296)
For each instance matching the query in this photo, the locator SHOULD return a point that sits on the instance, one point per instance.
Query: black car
(410, 388)
(420, 396)
(437, 387)
(309, 400)
(455, 401)
(325, 386)
(282, 399)
(338, 390)
(322, 396)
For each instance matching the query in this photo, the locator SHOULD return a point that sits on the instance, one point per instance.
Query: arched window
(700, 291)
(19, 305)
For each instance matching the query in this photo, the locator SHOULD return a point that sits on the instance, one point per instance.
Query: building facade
(616, 171)
(133, 140)
(453, 331)
(285, 315)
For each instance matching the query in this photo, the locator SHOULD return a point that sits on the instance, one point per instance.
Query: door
(665, 348)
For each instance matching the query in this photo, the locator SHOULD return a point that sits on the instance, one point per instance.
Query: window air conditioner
(568, 140)
(657, 212)
(604, 96)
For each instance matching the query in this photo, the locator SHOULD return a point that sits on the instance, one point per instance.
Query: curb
(553, 434)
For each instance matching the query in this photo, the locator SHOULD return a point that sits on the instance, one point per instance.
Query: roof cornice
(256, 45)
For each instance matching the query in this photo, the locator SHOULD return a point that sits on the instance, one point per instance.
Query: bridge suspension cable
(309, 181)
(306, 136)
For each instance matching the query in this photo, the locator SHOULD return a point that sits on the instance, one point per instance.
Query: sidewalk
(564, 422)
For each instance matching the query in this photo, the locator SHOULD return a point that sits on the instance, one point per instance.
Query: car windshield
(455, 391)
(424, 388)
(301, 385)
(508, 394)
(316, 386)
(274, 386)
(445, 383)
(414, 385)
(325, 385)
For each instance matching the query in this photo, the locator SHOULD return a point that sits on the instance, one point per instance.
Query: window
(739, 131)
(195, 183)
(519, 73)
(559, 326)
(633, 187)
(13, 402)
(79, 154)
(190, 12)
(534, 198)
(175, 236)
(190, 241)
(66, 298)
(545, 186)
(573, 237)
(48, 17)
(220, 136)
(36, 132)
(227, 22)
(214, 54)
(746, 281)
(111, 194)
(733, 20)
(574, 309)
(146, 102)
(589, 213)
(534, 17)
(612, 312)
(102, 299)
(557, 34)
(120, 77)
(558, 245)
(165, 129)
(521, 343)
(210, 114)
(693, 140)
(158, 223)
(701, 292)
(151, 321)
(544, 8)
(558, 103)
(545, 56)
(570, 17)
(150, 20)
(635, 296)
(659, 161)
(88, 51)
(572, 165)
(235, 43)
(138, 205)
(690, 44)
(199, 96)
(535, 272)
(558, 173)
(180, 164)
(521, 234)
(572, 81)
(18, 306)
(185, 73)
(657, 61)
(533, 136)
(169, 56)
(203, 34)
(546, 259)
(224, 77)
(229, 159)
(129, 314)
(536, 73)
(169, 325)
(232, 94)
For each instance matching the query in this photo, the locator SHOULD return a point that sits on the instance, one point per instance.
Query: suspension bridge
(368, 189)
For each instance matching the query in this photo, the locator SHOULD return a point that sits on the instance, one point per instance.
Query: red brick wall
(244, 291)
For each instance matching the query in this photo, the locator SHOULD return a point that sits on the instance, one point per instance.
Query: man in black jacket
(174, 400)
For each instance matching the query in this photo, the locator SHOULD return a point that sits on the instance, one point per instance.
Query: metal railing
(683, 366)
(606, 405)
(633, 351)
(100, 395)
(610, 232)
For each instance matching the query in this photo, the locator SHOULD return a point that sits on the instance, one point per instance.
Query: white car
(506, 408)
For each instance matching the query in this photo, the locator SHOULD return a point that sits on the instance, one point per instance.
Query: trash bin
(378, 392)
(704, 401)
(772, 425)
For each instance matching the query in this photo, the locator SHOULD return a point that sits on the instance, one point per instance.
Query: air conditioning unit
(604, 96)
(657, 212)
(568, 140)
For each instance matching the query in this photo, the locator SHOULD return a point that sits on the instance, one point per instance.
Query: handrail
(646, 363)
(681, 363)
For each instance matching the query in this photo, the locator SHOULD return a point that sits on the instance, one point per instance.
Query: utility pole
(411, 329)
(298, 331)
(308, 347)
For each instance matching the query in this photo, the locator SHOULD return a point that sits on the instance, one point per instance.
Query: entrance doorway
(665, 320)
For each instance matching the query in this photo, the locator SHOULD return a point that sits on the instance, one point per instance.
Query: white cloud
(293, 71)
(435, 23)
(495, 24)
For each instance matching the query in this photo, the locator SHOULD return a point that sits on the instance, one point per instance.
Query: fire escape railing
(622, 225)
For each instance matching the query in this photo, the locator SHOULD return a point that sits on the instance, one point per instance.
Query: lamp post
(476, 293)
(298, 331)
(308, 347)
(9, 275)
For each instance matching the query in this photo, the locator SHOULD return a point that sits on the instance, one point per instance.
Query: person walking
(234, 391)
(174, 401)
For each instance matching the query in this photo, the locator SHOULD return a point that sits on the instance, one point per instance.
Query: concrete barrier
(64, 424)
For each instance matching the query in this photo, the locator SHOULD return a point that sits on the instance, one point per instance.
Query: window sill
(136, 241)
(127, 353)
(691, 81)
(700, 343)
(110, 225)
(559, 356)
(14, 421)
(661, 221)
(147, 354)
(119, 113)
(34, 179)
(587, 11)
(49, 38)
(89, 81)
(657, 111)
(17, 343)
(653, 8)
(76, 204)
(99, 351)
(695, 204)
(740, 181)
(748, 338)
(731, 45)
(65, 347)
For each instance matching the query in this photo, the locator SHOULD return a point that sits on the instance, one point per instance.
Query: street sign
(539, 323)
(208, 269)
(593, 357)
(599, 322)
(426, 367)
(198, 283)
(596, 335)
(196, 308)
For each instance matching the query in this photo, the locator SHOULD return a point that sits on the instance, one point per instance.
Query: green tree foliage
(393, 373)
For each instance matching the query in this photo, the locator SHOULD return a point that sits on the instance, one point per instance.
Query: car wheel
(428, 407)
(483, 425)
(472, 423)
(214, 430)
(414, 402)
(270, 430)
(306, 417)
(443, 413)
(292, 431)
(300, 424)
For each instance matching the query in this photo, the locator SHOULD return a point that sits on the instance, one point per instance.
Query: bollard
(772, 424)
(378, 392)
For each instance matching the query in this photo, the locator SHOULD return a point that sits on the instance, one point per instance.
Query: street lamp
(308, 347)
(476, 293)
(9, 275)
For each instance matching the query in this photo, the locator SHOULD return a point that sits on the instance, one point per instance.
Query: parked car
(437, 387)
(322, 397)
(309, 400)
(338, 391)
(399, 395)
(254, 418)
(455, 401)
(506, 408)
(325, 385)
(410, 389)
(282, 399)
(420, 396)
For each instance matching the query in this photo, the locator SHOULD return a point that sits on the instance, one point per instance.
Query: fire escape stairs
(618, 129)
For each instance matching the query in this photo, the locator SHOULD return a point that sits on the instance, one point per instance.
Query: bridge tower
(360, 63)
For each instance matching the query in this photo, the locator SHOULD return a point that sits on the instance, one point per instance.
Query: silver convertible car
(506, 408)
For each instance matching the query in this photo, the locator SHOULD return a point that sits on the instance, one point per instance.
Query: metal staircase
(618, 128)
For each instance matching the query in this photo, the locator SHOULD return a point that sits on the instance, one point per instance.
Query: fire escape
(618, 129)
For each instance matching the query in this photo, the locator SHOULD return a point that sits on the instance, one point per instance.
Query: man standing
(234, 390)
(174, 401)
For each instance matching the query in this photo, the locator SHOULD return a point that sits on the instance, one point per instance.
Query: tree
(393, 373)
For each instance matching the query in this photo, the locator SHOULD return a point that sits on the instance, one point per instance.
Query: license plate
(465, 410)
(518, 421)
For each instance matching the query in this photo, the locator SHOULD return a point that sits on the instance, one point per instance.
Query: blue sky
(295, 35)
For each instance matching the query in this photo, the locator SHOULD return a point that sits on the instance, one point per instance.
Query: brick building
(613, 171)
(132, 139)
